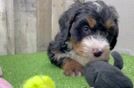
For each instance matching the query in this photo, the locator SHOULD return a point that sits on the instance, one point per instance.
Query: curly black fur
(69, 26)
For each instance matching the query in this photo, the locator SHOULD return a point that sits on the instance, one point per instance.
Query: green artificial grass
(18, 68)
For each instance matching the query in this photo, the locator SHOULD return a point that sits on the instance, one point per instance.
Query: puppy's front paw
(72, 68)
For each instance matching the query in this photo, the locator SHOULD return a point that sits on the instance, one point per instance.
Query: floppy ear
(113, 43)
(115, 28)
(66, 21)
(115, 35)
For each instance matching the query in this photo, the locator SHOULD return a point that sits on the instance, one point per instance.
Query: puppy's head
(91, 27)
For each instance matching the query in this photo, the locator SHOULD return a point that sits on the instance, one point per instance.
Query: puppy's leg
(72, 67)
(60, 59)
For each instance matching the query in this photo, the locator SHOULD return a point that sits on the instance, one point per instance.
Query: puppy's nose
(97, 52)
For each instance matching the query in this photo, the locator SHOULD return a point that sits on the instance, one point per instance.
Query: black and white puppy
(100, 74)
(88, 32)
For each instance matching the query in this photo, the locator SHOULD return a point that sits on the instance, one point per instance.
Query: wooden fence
(27, 26)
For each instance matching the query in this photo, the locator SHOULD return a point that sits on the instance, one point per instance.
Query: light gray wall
(125, 9)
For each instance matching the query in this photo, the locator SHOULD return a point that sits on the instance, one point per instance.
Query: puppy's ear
(113, 43)
(114, 16)
(115, 36)
(66, 21)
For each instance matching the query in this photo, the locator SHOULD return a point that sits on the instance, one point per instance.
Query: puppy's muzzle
(95, 46)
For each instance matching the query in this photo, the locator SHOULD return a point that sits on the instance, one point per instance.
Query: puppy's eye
(85, 28)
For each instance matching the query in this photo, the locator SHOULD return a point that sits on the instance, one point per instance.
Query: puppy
(100, 74)
(88, 32)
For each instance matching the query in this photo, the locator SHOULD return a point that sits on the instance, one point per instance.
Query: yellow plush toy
(39, 81)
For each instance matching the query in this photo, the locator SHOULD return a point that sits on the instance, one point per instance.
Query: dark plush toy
(100, 74)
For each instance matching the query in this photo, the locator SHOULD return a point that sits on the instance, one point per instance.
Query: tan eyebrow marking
(91, 22)
(109, 23)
